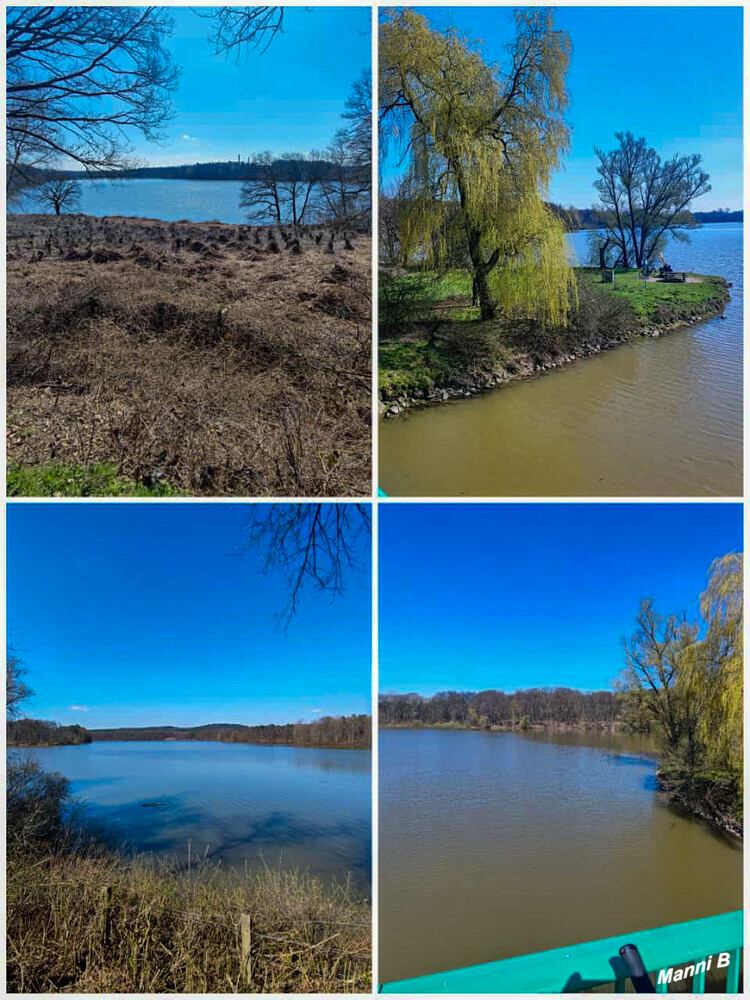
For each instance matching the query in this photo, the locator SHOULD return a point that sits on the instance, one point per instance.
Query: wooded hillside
(343, 730)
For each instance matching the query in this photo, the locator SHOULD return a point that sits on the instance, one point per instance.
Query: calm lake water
(152, 198)
(293, 806)
(496, 844)
(656, 417)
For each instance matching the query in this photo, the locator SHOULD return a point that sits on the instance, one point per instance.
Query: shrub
(403, 301)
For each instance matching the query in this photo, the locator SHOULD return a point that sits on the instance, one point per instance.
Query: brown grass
(191, 353)
(103, 923)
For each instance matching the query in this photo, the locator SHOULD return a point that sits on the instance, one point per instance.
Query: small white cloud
(78, 708)
(190, 138)
(317, 711)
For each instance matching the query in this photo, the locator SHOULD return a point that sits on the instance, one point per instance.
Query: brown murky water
(497, 844)
(657, 417)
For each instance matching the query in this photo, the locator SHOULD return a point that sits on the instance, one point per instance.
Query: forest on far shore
(522, 708)
(328, 731)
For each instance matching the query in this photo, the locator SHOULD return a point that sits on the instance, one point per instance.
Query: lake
(289, 806)
(160, 198)
(500, 844)
(157, 198)
(655, 417)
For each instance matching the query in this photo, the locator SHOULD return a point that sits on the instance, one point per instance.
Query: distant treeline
(226, 170)
(484, 709)
(39, 732)
(341, 730)
(719, 215)
(589, 218)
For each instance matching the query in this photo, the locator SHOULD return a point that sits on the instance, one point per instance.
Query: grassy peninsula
(148, 358)
(435, 346)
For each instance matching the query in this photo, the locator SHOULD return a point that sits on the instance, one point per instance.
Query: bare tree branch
(312, 544)
(81, 80)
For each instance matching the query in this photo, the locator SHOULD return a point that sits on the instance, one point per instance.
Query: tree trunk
(602, 252)
(480, 286)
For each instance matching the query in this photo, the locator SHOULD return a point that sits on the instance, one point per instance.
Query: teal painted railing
(597, 963)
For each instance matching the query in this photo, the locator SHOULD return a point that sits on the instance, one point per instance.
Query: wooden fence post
(246, 931)
(106, 896)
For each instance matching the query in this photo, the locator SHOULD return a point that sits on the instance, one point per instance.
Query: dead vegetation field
(218, 360)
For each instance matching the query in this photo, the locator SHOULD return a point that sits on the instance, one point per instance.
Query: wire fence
(231, 924)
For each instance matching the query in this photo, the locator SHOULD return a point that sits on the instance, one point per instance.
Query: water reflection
(244, 804)
(500, 844)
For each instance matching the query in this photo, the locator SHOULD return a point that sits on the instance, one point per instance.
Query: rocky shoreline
(703, 809)
(524, 366)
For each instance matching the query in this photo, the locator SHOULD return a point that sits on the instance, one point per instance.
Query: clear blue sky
(153, 613)
(670, 74)
(506, 596)
(289, 98)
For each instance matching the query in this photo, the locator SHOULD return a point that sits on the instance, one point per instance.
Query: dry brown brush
(99, 922)
(190, 353)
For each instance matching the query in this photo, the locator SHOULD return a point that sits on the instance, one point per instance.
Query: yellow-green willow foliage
(480, 145)
(711, 677)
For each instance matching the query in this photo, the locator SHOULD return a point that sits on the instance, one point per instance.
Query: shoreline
(716, 818)
(523, 367)
(255, 743)
(599, 727)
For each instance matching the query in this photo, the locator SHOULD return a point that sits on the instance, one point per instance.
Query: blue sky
(156, 613)
(670, 74)
(476, 596)
(289, 98)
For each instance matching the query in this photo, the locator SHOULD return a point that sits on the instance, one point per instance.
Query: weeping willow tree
(685, 680)
(711, 676)
(479, 145)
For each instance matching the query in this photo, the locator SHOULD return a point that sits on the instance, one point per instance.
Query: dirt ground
(225, 360)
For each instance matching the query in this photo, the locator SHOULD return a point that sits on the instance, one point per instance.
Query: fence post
(106, 897)
(246, 933)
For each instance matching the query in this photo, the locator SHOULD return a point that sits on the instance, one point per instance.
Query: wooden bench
(673, 275)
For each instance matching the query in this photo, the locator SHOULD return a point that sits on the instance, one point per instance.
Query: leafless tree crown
(80, 80)
(311, 543)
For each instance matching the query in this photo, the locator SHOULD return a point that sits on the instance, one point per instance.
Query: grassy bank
(104, 923)
(162, 359)
(98, 480)
(433, 344)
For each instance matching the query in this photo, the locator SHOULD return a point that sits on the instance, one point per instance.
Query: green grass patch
(653, 299)
(430, 331)
(409, 364)
(97, 480)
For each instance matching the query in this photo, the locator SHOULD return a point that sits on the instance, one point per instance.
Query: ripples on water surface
(497, 844)
(656, 417)
(294, 806)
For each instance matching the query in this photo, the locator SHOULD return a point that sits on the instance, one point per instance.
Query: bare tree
(347, 187)
(282, 188)
(311, 543)
(652, 663)
(25, 158)
(81, 79)
(238, 30)
(644, 200)
(299, 176)
(17, 690)
(262, 195)
(59, 195)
